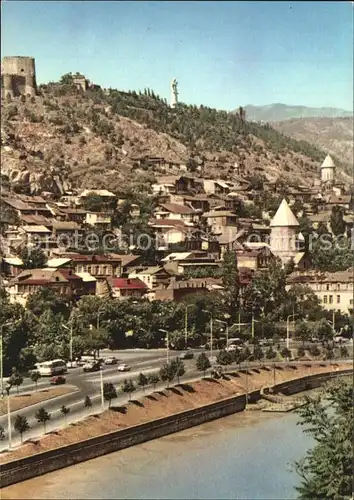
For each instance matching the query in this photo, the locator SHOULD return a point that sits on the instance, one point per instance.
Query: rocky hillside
(333, 135)
(65, 138)
(279, 112)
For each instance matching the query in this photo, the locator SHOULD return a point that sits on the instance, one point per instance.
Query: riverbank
(166, 403)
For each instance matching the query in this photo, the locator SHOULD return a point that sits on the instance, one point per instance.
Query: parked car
(111, 360)
(92, 367)
(187, 355)
(232, 348)
(58, 379)
(123, 368)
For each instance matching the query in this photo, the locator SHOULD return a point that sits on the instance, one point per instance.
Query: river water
(245, 456)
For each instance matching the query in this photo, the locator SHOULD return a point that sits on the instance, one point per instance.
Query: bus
(50, 368)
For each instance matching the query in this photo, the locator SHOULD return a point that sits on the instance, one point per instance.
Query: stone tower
(327, 170)
(283, 233)
(18, 76)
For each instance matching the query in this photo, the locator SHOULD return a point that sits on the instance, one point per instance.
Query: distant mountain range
(278, 112)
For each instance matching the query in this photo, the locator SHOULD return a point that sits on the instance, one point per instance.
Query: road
(88, 384)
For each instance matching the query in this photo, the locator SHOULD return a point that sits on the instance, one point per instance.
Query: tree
(33, 258)
(65, 410)
(314, 351)
(66, 79)
(337, 222)
(270, 353)
(128, 387)
(224, 358)
(329, 353)
(167, 373)
(301, 352)
(258, 353)
(16, 378)
(203, 363)
(35, 376)
(177, 366)
(43, 416)
(327, 469)
(285, 352)
(231, 282)
(87, 402)
(142, 380)
(343, 351)
(21, 425)
(324, 331)
(45, 299)
(302, 332)
(109, 392)
(154, 379)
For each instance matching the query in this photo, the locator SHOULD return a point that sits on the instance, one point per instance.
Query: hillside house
(126, 288)
(169, 232)
(189, 260)
(153, 276)
(178, 290)
(175, 211)
(219, 220)
(64, 282)
(256, 259)
(102, 220)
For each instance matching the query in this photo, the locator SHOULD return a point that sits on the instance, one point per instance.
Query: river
(244, 456)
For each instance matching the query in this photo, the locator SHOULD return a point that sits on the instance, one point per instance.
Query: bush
(314, 350)
(301, 352)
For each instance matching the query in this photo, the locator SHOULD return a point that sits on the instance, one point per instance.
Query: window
(330, 299)
(325, 299)
(338, 299)
(351, 302)
(338, 286)
(327, 287)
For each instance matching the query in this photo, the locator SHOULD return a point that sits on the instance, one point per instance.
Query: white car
(123, 368)
(111, 360)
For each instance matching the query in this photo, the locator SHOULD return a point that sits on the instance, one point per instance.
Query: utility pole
(9, 418)
(211, 332)
(167, 343)
(102, 394)
(186, 326)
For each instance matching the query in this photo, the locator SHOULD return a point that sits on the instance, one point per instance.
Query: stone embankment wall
(36, 465)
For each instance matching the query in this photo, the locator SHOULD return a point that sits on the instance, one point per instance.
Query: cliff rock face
(65, 139)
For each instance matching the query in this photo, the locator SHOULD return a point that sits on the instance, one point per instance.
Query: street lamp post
(288, 329)
(71, 337)
(211, 332)
(101, 383)
(98, 319)
(186, 325)
(9, 416)
(167, 343)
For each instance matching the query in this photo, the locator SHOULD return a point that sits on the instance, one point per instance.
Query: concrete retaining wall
(42, 463)
(19, 470)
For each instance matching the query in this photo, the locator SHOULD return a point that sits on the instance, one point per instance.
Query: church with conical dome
(283, 236)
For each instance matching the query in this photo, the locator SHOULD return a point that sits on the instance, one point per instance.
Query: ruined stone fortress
(18, 76)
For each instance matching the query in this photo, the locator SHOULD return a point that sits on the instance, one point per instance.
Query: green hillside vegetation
(202, 127)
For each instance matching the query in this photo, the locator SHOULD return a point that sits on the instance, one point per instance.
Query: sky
(223, 54)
